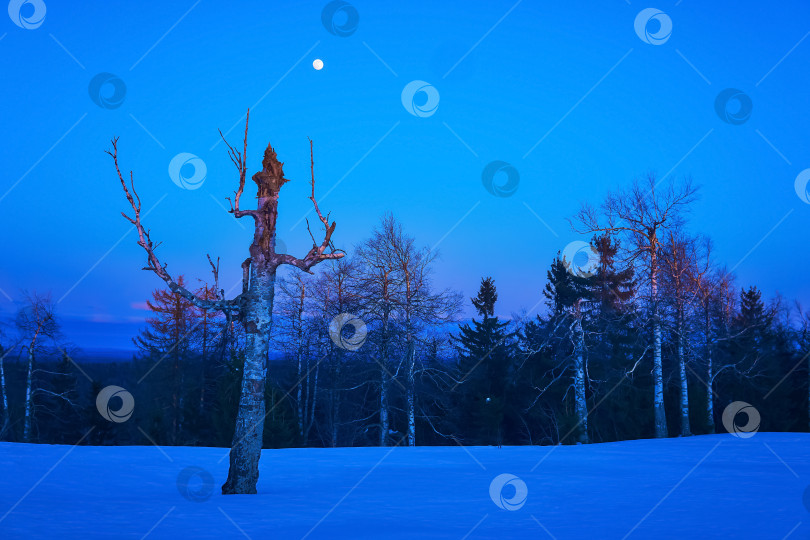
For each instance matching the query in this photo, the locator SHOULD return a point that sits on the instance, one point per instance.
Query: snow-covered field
(699, 487)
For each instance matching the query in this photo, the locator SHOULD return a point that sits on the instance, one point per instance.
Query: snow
(714, 486)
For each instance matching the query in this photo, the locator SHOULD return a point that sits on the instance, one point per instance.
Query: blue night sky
(567, 93)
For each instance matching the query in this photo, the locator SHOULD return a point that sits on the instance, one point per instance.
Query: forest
(640, 332)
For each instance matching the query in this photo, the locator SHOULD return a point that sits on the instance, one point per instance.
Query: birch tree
(333, 293)
(378, 287)
(420, 306)
(678, 262)
(293, 294)
(641, 215)
(36, 324)
(705, 283)
(254, 306)
(299, 329)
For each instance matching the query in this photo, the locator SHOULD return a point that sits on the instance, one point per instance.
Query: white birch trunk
(580, 404)
(411, 392)
(685, 428)
(658, 372)
(28, 394)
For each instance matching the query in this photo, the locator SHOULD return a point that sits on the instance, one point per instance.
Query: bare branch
(239, 160)
(144, 240)
(318, 252)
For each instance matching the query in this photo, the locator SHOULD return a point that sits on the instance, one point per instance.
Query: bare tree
(36, 324)
(297, 330)
(334, 292)
(378, 285)
(641, 214)
(419, 304)
(254, 306)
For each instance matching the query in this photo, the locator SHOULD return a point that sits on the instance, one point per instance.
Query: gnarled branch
(153, 263)
(318, 252)
(238, 158)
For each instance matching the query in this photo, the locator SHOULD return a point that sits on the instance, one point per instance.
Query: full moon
(318, 64)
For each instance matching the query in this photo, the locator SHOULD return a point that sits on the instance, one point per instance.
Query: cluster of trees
(650, 337)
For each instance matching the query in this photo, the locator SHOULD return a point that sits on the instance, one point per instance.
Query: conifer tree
(485, 369)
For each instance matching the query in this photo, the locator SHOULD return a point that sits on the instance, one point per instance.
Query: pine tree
(484, 303)
(485, 370)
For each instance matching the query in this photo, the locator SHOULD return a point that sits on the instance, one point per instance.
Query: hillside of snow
(714, 486)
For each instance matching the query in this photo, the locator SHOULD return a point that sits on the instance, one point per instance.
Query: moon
(318, 64)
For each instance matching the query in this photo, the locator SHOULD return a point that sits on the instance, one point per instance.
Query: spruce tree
(484, 303)
(486, 352)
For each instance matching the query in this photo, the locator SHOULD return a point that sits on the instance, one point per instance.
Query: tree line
(641, 332)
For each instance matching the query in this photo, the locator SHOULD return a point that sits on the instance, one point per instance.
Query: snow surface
(714, 486)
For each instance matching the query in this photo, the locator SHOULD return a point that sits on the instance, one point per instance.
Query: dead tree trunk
(254, 306)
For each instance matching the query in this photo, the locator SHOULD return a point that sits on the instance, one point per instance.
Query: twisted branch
(153, 263)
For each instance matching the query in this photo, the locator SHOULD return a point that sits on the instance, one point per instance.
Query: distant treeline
(641, 333)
